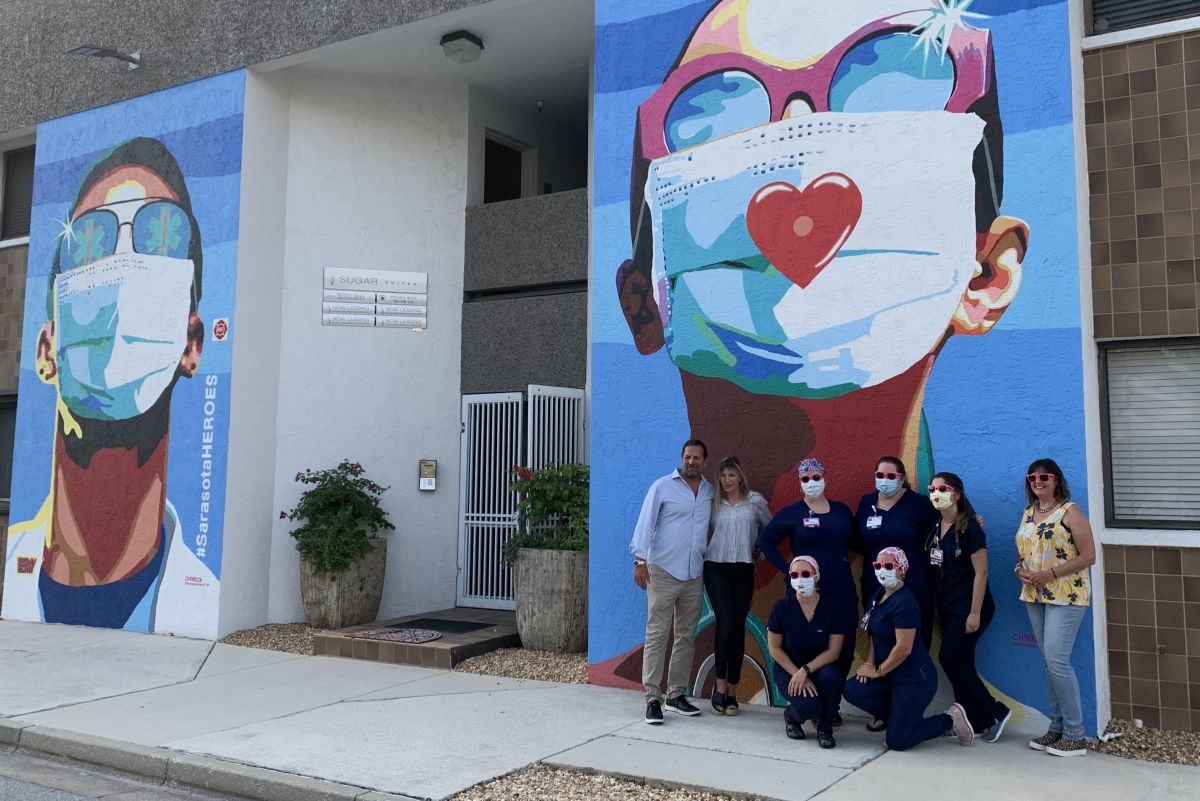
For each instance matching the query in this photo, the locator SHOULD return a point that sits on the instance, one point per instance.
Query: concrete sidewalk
(278, 726)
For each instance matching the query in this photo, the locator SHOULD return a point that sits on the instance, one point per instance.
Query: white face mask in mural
(121, 328)
(816, 255)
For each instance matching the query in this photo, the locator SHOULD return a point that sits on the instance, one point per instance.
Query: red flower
(282, 515)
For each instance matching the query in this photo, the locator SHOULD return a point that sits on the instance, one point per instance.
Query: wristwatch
(638, 561)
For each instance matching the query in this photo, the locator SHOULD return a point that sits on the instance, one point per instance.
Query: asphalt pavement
(29, 778)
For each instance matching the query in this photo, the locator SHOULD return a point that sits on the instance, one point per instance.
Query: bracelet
(1052, 571)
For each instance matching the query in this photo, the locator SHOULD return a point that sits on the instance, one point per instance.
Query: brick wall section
(1153, 604)
(12, 302)
(1142, 115)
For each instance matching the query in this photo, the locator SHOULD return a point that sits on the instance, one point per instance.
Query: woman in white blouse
(738, 517)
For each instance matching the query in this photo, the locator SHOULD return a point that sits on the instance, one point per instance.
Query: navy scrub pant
(957, 658)
(902, 705)
(820, 708)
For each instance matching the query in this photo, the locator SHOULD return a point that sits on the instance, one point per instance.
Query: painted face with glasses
(794, 238)
(124, 298)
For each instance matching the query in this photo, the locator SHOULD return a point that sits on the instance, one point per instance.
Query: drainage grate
(444, 626)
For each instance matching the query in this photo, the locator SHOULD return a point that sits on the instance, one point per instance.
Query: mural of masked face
(123, 297)
(821, 193)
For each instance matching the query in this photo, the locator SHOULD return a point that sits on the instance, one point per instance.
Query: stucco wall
(376, 180)
(180, 40)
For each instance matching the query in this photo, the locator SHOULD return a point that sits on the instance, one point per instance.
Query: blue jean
(902, 705)
(1055, 627)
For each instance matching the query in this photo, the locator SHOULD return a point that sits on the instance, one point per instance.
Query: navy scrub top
(900, 611)
(803, 639)
(828, 542)
(905, 526)
(956, 578)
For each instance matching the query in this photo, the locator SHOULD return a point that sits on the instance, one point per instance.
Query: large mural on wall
(807, 216)
(122, 418)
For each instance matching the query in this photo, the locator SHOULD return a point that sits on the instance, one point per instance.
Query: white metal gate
(494, 438)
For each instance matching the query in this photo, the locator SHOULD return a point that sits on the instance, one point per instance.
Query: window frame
(8, 400)
(15, 146)
(1090, 19)
(1111, 520)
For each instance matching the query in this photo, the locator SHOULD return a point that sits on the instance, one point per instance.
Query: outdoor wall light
(134, 60)
(462, 47)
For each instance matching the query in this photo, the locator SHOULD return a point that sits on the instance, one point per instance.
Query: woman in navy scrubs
(958, 552)
(898, 680)
(825, 529)
(894, 515)
(803, 636)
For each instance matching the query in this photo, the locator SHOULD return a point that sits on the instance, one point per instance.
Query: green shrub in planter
(552, 508)
(340, 516)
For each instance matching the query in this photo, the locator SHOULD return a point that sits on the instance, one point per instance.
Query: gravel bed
(552, 784)
(1152, 745)
(294, 638)
(522, 663)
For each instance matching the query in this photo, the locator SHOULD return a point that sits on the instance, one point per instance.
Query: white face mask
(888, 579)
(805, 586)
(814, 489)
(120, 330)
(877, 308)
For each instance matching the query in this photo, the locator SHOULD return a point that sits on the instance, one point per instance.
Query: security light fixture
(462, 47)
(134, 60)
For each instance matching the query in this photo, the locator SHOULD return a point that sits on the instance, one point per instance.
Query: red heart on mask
(801, 231)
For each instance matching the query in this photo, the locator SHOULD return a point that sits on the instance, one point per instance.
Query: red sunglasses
(884, 565)
(1042, 477)
(806, 479)
(888, 475)
(802, 574)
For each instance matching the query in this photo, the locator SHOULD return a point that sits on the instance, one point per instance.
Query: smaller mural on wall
(99, 541)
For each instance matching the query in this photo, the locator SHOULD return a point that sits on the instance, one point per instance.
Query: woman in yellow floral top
(1055, 548)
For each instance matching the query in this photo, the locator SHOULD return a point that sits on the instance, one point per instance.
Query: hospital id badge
(874, 521)
(812, 522)
(935, 556)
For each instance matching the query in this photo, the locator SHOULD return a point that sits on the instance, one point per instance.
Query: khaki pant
(667, 599)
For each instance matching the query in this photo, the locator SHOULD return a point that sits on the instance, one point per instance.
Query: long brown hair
(735, 464)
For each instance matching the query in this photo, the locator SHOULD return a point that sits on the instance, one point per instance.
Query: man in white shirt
(668, 562)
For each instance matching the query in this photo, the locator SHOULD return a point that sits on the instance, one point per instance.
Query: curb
(180, 768)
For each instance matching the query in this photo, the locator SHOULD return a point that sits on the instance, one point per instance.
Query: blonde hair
(733, 464)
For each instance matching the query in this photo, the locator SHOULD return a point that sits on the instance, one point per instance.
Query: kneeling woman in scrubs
(898, 679)
(802, 640)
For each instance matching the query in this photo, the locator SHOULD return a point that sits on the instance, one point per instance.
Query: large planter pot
(349, 598)
(550, 588)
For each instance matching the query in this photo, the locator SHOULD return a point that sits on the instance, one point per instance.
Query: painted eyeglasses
(160, 228)
(881, 67)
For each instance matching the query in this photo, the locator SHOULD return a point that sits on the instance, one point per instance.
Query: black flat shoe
(718, 702)
(794, 731)
(731, 705)
(825, 739)
(880, 727)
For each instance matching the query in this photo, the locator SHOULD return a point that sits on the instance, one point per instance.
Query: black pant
(829, 681)
(957, 658)
(730, 586)
(902, 705)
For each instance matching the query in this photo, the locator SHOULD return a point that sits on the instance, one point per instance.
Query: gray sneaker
(992, 733)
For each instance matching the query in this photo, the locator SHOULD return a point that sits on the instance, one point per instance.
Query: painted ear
(189, 362)
(44, 356)
(997, 277)
(635, 292)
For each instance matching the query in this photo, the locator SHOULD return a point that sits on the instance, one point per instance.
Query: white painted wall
(562, 153)
(250, 485)
(377, 179)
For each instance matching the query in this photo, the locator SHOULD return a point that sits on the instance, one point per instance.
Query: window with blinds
(1153, 433)
(8, 430)
(17, 199)
(1116, 15)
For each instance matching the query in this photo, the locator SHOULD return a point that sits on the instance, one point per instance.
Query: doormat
(410, 636)
(444, 626)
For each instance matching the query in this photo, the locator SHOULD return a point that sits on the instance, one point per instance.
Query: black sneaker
(682, 706)
(825, 739)
(794, 729)
(654, 713)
